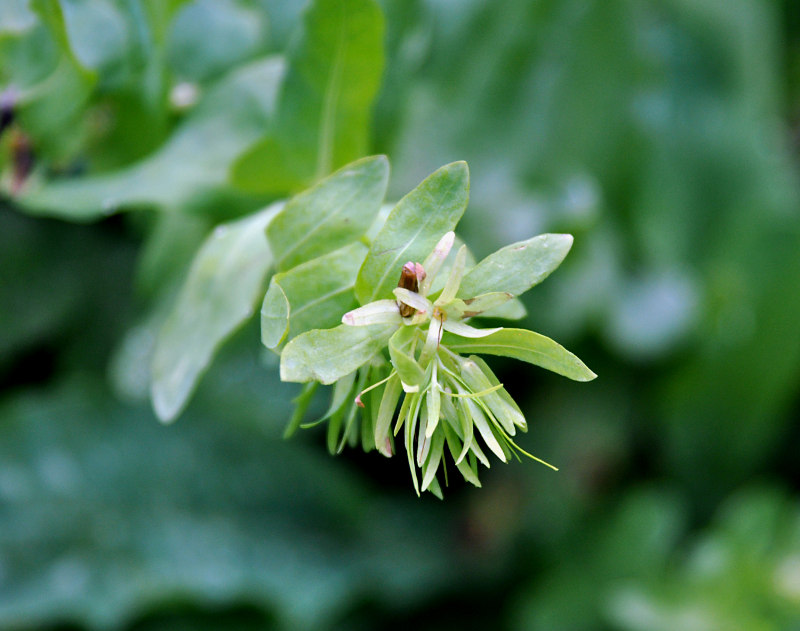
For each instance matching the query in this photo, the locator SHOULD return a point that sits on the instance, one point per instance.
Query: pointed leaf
(480, 421)
(472, 307)
(473, 376)
(224, 283)
(524, 345)
(432, 462)
(412, 229)
(465, 330)
(433, 263)
(511, 310)
(400, 350)
(334, 70)
(326, 355)
(333, 213)
(413, 299)
(433, 400)
(454, 280)
(516, 415)
(391, 395)
(310, 296)
(517, 267)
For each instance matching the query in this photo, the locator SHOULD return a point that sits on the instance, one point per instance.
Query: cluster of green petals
(404, 361)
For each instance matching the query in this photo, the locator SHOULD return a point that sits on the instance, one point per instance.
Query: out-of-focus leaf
(524, 345)
(633, 544)
(331, 214)
(224, 283)
(209, 36)
(190, 168)
(412, 229)
(197, 513)
(16, 17)
(313, 295)
(96, 31)
(326, 355)
(742, 574)
(517, 267)
(334, 70)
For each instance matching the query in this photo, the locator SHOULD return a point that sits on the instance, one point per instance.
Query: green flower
(405, 356)
(449, 402)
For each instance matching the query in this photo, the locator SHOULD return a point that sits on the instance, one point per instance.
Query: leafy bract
(413, 228)
(326, 355)
(336, 211)
(190, 167)
(310, 296)
(524, 345)
(517, 267)
(335, 66)
(224, 283)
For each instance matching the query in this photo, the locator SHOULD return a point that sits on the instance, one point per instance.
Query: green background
(662, 134)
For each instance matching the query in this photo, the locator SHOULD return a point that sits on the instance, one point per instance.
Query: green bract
(411, 343)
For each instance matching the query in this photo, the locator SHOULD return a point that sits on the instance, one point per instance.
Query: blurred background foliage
(663, 135)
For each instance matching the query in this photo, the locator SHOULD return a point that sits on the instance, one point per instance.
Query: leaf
(517, 267)
(401, 352)
(414, 226)
(472, 307)
(208, 37)
(326, 355)
(336, 211)
(322, 122)
(224, 282)
(15, 17)
(75, 461)
(506, 415)
(391, 395)
(313, 295)
(434, 457)
(512, 409)
(97, 33)
(188, 169)
(480, 421)
(524, 345)
(378, 312)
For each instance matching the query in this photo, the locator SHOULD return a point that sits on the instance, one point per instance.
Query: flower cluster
(448, 400)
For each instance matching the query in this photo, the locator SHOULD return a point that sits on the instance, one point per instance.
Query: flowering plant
(410, 343)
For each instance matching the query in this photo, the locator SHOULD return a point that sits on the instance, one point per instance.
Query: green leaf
(517, 267)
(414, 226)
(335, 68)
(512, 409)
(326, 355)
(401, 352)
(524, 345)
(224, 282)
(336, 211)
(476, 306)
(507, 416)
(97, 32)
(391, 395)
(15, 17)
(313, 295)
(188, 169)
(209, 36)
